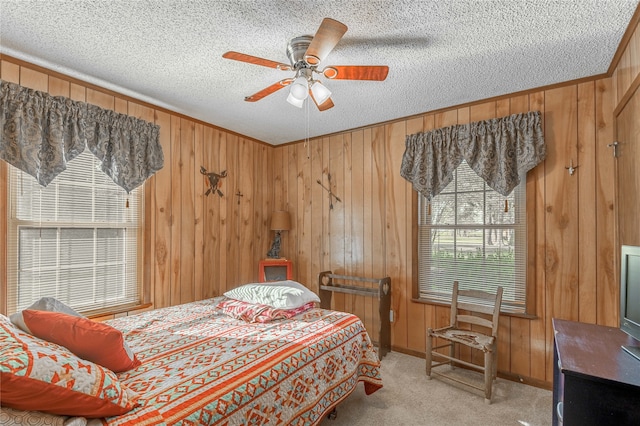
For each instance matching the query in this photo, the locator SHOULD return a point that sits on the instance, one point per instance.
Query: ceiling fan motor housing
(296, 49)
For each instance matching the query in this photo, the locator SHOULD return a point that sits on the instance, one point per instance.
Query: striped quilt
(201, 367)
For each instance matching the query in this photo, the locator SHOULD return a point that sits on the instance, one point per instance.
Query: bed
(200, 366)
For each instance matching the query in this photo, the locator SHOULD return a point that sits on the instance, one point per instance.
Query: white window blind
(467, 236)
(75, 240)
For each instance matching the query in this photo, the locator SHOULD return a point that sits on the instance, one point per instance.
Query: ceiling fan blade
(328, 35)
(268, 90)
(323, 106)
(242, 57)
(356, 72)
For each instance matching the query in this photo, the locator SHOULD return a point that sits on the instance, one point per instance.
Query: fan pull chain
(126, 204)
(429, 208)
(506, 206)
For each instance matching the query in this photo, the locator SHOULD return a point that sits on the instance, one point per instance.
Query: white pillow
(277, 294)
(44, 304)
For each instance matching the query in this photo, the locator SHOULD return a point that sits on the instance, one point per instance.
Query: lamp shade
(280, 221)
(320, 92)
(300, 88)
(295, 102)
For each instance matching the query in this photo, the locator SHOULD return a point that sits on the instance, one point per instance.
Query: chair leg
(452, 354)
(429, 357)
(488, 375)
(495, 363)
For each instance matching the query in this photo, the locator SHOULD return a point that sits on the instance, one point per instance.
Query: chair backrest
(475, 302)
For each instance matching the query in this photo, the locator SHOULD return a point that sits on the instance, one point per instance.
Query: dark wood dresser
(595, 382)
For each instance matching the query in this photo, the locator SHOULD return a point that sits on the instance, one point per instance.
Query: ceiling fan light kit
(305, 54)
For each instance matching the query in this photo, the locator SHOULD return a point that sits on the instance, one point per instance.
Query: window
(472, 234)
(75, 240)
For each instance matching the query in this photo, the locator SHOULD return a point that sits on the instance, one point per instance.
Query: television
(630, 296)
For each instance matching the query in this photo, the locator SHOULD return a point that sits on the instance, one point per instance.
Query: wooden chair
(469, 307)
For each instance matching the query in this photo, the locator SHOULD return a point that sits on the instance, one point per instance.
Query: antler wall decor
(214, 181)
(331, 194)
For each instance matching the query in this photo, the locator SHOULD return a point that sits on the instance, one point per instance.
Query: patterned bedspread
(200, 367)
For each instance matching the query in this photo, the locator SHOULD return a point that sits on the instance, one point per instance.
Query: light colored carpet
(408, 398)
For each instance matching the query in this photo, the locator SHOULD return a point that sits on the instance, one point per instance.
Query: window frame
(530, 261)
(13, 224)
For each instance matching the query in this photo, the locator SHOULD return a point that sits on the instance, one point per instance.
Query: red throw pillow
(94, 341)
(37, 375)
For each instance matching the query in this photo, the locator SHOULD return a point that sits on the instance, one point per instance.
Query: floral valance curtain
(499, 150)
(40, 134)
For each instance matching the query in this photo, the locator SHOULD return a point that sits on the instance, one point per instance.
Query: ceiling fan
(305, 54)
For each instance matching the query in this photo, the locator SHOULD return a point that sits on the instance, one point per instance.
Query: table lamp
(280, 221)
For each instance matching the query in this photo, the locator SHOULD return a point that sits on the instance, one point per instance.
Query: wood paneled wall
(371, 231)
(195, 246)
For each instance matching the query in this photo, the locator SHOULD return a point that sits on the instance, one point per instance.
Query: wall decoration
(331, 194)
(571, 168)
(214, 181)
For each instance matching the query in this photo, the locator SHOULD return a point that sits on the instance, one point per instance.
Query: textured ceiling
(440, 53)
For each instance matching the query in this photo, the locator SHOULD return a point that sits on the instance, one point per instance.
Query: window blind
(471, 234)
(75, 240)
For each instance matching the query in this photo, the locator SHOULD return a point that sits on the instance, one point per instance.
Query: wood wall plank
(198, 213)
(316, 262)
(187, 215)
(147, 233)
(326, 212)
(369, 247)
(231, 206)
(356, 220)
(211, 205)
(303, 249)
(35, 80)
(416, 327)
(540, 340)
(335, 168)
(58, 87)
(164, 217)
(176, 211)
(379, 267)
(429, 309)
(347, 204)
(243, 203)
(586, 176)
(395, 236)
(11, 73)
(607, 291)
(519, 329)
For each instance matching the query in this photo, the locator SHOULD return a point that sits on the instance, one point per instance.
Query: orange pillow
(36, 375)
(94, 341)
